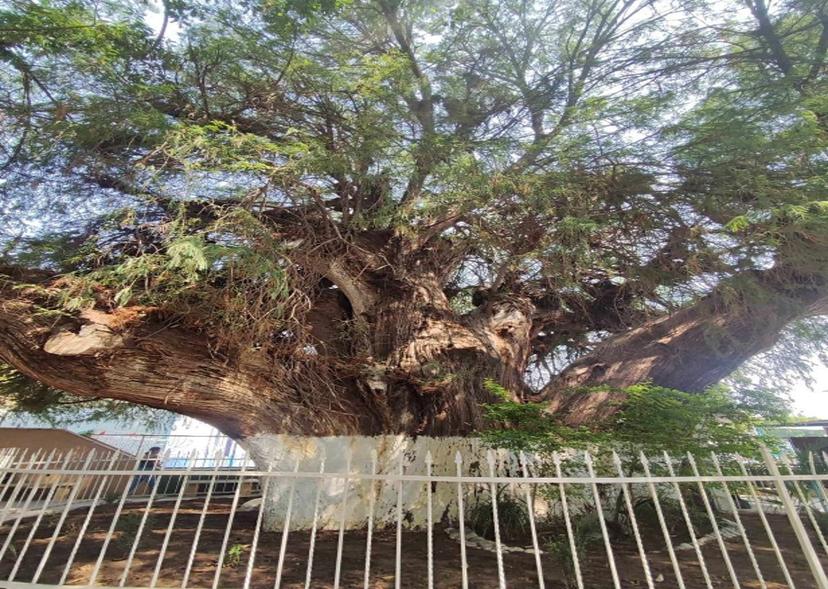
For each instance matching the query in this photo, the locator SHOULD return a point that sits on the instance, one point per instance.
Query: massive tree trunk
(409, 364)
(406, 363)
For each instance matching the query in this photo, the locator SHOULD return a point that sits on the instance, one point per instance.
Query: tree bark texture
(407, 363)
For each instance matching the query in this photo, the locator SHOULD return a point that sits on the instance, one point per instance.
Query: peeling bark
(419, 370)
(165, 367)
(412, 366)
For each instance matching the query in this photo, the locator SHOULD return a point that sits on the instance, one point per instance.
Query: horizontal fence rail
(218, 446)
(489, 519)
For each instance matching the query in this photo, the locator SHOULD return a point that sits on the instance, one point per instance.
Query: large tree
(347, 217)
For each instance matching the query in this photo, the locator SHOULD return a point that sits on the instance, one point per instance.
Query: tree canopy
(352, 213)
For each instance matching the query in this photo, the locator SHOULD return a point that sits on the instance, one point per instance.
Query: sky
(812, 402)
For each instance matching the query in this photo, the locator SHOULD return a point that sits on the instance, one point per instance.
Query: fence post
(501, 574)
(464, 566)
(530, 509)
(372, 501)
(799, 529)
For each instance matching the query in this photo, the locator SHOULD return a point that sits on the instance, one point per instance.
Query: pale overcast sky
(813, 402)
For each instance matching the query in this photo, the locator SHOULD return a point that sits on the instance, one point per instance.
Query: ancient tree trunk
(407, 362)
(414, 366)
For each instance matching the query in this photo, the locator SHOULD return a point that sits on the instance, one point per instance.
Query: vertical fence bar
(398, 554)
(229, 527)
(464, 565)
(668, 460)
(168, 533)
(99, 562)
(661, 521)
(806, 504)
(501, 574)
(372, 501)
(71, 499)
(430, 522)
(9, 462)
(712, 517)
(793, 517)
(156, 482)
(314, 525)
(573, 549)
(20, 483)
(53, 487)
(820, 487)
(109, 480)
(21, 491)
(286, 526)
(105, 479)
(603, 524)
(258, 529)
(625, 489)
(211, 485)
(141, 441)
(761, 512)
(530, 507)
(738, 521)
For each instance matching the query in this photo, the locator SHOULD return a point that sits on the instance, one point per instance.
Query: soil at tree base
(520, 568)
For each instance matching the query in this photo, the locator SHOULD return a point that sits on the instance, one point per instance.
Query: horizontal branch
(125, 356)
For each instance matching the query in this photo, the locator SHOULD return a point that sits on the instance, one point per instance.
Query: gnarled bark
(418, 368)
(156, 365)
(413, 365)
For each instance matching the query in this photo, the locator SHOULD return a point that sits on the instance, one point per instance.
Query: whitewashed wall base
(280, 453)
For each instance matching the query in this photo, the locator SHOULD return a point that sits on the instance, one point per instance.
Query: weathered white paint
(280, 453)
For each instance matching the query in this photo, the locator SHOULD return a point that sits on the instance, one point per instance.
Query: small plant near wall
(127, 530)
(586, 536)
(234, 554)
(512, 513)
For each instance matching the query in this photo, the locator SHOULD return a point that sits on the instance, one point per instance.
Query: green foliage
(127, 529)
(648, 521)
(648, 418)
(234, 554)
(586, 536)
(512, 514)
(20, 394)
(230, 276)
(560, 152)
(799, 350)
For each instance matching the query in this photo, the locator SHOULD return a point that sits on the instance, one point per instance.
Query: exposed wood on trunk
(167, 368)
(419, 370)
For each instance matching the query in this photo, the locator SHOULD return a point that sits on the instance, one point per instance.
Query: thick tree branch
(691, 349)
(127, 357)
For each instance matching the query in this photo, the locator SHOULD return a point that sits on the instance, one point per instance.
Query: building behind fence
(487, 519)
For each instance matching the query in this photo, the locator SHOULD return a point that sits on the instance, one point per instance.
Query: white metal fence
(178, 445)
(566, 520)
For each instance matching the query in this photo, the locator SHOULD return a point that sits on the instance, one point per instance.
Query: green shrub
(586, 535)
(649, 418)
(233, 556)
(512, 514)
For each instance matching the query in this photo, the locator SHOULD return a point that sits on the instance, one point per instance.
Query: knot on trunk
(90, 339)
(98, 334)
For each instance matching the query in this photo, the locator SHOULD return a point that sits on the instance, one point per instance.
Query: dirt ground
(520, 568)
